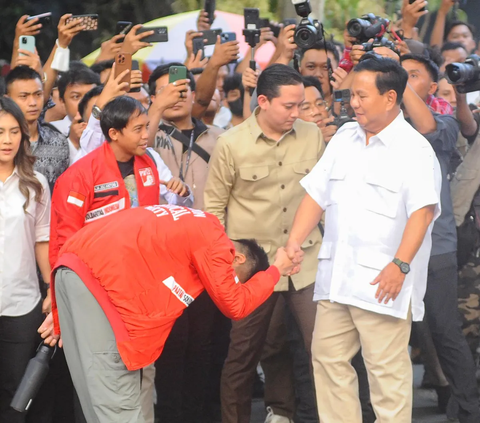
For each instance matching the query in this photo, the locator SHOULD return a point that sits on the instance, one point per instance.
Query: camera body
(380, 42)
(342, 97)
(465, 76)
(367, 27)
(309, 31)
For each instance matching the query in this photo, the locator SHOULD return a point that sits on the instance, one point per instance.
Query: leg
(246, 344)
(147, 394)
(335, 343)
(276, 363)
(452, 348)
(105, 387)
(18, 342)
(384, 341)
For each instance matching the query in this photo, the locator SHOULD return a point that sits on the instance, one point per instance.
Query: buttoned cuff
(274, 273)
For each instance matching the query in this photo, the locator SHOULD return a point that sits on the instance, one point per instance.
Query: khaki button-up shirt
(254, 185)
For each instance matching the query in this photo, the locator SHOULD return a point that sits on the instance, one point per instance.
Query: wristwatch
(404, 267)
(96, 112)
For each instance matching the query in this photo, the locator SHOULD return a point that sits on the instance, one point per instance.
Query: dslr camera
(366, 27)
(465, 76)
(309, 31)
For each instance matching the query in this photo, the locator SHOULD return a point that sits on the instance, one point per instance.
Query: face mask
(236, 107)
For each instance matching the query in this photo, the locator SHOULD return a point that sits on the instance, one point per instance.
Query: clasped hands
(288, 259)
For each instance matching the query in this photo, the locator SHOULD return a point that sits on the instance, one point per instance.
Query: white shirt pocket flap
(373, 259)
(384, 179)
(325, 250)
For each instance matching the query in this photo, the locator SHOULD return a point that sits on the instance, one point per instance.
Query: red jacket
(93, 188)
(146, 265)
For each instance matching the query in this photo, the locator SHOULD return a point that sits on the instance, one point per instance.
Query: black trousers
(442, 314)
(182, 371)
(18, 342)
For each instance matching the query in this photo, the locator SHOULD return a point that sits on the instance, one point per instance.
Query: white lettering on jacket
(105, 210)
(178, 291)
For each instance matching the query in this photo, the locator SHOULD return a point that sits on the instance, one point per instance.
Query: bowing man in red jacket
(121, 283)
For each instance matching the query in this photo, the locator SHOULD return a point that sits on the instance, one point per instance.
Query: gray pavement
(424, 404)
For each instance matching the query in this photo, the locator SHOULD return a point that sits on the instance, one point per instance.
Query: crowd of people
(315, 223)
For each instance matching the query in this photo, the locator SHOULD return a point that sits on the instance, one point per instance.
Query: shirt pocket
(368, 266)
(304, 167)
(253, 182)
(325, 266)
(336, 185)
(381, 193)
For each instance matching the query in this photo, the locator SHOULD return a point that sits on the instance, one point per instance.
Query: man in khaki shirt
(253, 187)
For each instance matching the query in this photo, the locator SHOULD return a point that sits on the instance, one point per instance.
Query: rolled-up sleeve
(444, 139)
(42, 213)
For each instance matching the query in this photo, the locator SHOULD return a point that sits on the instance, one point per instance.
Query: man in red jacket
(121, 283)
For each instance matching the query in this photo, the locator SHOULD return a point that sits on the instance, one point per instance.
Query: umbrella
(174, 50)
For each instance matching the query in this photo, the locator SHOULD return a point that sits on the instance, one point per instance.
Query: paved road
(424, 404)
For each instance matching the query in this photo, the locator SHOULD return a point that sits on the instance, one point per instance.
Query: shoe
(275, 418)
(443, 397)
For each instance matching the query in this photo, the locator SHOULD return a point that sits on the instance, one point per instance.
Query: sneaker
(275, 418)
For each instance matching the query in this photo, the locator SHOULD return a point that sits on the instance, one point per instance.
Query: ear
(113, 134)
(263, 102)
(239, 258)
(152, 98)
(391, 100)
(433, 88)
(193, 96)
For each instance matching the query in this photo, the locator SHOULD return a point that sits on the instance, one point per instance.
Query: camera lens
(24, 40)
(304, 37)
(460, 73)
(355, 29)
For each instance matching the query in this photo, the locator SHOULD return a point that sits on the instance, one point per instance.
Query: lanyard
(181, 175)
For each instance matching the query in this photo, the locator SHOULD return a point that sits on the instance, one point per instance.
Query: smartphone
(228, 36)
(252, 17)
(44, 18)
(209, 7)
(123, 27)
(210, 36)
(123, 61)
(198, 45)
(421, 10)
(176, 73)
(27, 42)
(90, 21)
(135, 66)
(160, 35)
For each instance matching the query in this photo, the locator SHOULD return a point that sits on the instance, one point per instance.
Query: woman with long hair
(24, 236)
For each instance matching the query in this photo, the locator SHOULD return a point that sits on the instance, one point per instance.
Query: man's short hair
(429, 64)
(321, 45)
(274, 77)
(451, 45)
(94, 92)
(99, 67)
(79, 75)
(313, 81)
(458, 23)
(257, 259)
(21, 73)
(390, 74)
(164, 70)
(233, 82)
(118, 112)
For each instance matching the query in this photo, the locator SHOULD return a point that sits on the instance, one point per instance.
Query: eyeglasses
(320, 104)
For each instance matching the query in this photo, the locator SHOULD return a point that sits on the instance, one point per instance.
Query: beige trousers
(340, 331)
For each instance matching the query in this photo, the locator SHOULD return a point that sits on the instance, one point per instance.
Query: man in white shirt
(379, 185)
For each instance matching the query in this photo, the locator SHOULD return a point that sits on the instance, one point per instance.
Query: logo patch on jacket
(105, 187)
(105, 210)
(178, 291)
(147, 177)
(76, 198)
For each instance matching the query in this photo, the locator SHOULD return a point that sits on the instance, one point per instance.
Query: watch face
(405, 268)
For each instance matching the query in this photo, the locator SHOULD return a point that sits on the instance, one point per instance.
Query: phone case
(27, 42)
(123, 61)
(210, 7)
(198, 45)
(123, 27)
(160, 35)
(45, 19)
(228, 36)
(176, 73)
(210, 36)
(135, 66)
(252, 17)
(90, 21)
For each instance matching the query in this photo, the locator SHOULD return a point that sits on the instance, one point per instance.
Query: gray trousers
(108, 392)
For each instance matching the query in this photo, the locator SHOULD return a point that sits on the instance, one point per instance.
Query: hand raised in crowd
(250, 78)
(27, 58)
(196, 61)
(136, 79)
(411, 13)
(339, 76)
(390, 282)
(66, 32)
(328, 131)
(47, 333)
(386, 52)
(133, 41)
(177, 186)
(224, 53)
(189, 36)
(402, 47)
(288, 259)
(286, 42)
(169, 95)
(76, 129)
(356, 54)
(203, 23)
(445, 6)
(113, 88)
(24, 27)
(110, 48)
(266, 35)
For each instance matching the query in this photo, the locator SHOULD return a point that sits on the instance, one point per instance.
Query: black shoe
(443, 394)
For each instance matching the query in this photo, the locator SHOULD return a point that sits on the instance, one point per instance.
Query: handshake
(288, 259)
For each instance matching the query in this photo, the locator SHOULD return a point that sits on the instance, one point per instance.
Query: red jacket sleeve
(70, 202)
(214, 266)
